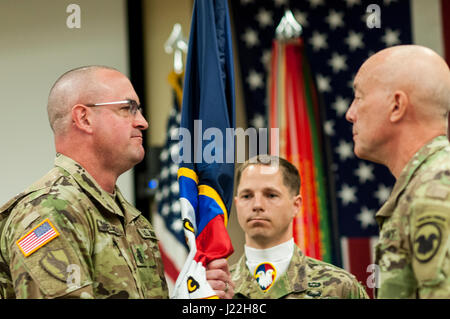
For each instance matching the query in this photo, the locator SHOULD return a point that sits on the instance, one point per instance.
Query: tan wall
(159, 19)
(36, 47)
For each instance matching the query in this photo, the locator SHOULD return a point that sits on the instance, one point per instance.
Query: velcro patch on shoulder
(37, 237)
(430, 237)
(437, 192)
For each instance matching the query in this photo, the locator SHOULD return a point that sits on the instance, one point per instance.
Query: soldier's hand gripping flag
(206, 136)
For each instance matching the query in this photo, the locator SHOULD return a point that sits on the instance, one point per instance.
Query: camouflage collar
(292, 281)
(89, 184)
(435, 145)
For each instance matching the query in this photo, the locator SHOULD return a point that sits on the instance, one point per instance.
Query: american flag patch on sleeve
(37, 237)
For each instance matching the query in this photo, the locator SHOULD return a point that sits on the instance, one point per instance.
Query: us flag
(339, 36)
(167, 217)
(37, 237)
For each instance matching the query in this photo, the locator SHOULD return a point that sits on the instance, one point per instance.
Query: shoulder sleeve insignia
(265, 274)
(56, 263)
(37, 237)
(437, 192)
(427, 241)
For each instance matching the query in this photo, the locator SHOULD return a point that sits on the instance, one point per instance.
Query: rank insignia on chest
(265, 274)
(37, 237)
(146, 233)
(108, 228)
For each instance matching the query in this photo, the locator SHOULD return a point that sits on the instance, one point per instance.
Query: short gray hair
(66, 92)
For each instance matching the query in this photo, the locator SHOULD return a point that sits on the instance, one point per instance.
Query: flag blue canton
(41, 230)
(338, 40)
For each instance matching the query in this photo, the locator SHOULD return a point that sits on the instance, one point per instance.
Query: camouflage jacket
(413, 252)
(96, 247)
(305, 278)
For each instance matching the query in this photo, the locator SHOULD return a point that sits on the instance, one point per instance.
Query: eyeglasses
(132, 107)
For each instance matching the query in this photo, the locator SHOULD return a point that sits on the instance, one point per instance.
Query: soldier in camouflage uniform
(72, 234)
(105, 247)
(399, 116)
(267, 200)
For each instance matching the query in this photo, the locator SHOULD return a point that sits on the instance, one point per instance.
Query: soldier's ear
(81, 118)
(297, 204)
(398, 106)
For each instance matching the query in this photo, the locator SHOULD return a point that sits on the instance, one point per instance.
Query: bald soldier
(72, 234)
(272, 266)
(399, 116)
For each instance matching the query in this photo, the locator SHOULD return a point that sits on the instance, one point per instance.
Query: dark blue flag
(206, 145)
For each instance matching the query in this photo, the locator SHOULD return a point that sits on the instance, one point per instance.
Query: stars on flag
(245, 2)
(335, 19)
(301, 18)
(250, 38)
(365, 172)
(323, 83)
(264, 18)
(354, 40)
(391, 37)
(382, 193)
(344, 150)
(316, 3)
(328, 127)
(281, 3)
(366, 217)
(318, 41)
(337, 62)
(265, 58)
(347, 194)
(351, 3)
(177, 225)
(341, 105)
(258, 121)
(255, 80)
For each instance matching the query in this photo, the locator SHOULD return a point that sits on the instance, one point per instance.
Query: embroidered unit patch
(265, 274)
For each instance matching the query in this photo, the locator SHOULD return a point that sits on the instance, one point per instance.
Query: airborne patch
(37, 237)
